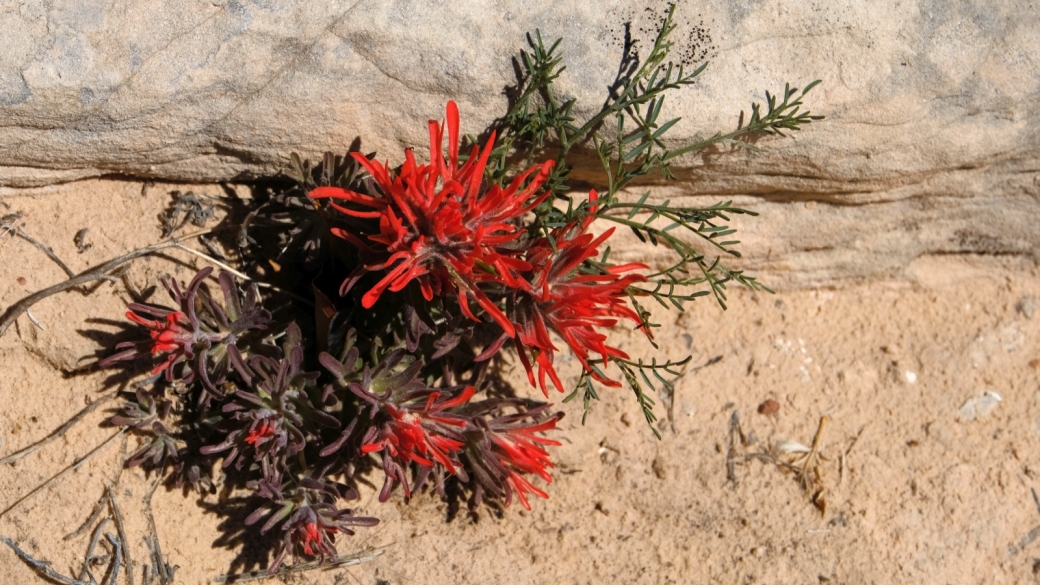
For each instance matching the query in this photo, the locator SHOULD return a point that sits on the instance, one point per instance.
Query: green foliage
(628, 137)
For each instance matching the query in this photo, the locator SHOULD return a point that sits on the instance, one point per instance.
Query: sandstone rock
(930, 146)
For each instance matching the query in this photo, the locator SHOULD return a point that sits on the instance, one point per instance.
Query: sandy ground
(923, 483)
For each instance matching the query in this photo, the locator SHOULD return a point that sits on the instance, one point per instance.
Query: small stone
(1026, 306)
(769, 407)
(659, 469)
(980, 406)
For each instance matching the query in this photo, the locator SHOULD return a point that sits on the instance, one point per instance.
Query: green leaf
(665, 127)
(637, 150)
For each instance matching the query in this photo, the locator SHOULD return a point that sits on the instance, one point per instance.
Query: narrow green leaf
(638, 204)
(637, 150)
(665, 127)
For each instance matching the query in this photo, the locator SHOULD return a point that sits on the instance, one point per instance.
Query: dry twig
(85, 576)
(98, 273)
(8, 225)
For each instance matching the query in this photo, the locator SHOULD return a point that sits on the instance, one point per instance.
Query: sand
(927, 475)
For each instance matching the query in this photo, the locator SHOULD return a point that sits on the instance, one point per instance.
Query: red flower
(521, 487)
(502, 448)
(519, 450)
(439, 225)
(199, 334)
(262, 429)
(310, 535)
(571, 302)
(174, 336)
(421, 435)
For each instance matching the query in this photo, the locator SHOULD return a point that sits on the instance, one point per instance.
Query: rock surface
(931, 143)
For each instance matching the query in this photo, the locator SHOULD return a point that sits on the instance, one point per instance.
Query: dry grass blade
(159, 567)
(94, 515)
(122, 536)
(78, 463)
(242, 275)
(58, 433)
(808, 465)
(804, 463)
(348, 561)
(736, 434)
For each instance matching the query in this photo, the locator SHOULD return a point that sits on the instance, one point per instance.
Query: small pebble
(21, 280)
(769, 407)
(980, 406)
(1026, 306)
(659, 469)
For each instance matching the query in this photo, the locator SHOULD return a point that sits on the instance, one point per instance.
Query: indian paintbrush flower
(307, 510)
(440, 225)
(196, 337)
(568, 298)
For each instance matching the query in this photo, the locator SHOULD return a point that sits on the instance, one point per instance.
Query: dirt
(929, 386)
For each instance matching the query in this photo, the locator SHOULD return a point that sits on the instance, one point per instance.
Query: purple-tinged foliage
(145, 415)
(196, 337)
(276, 418)
(307, 512)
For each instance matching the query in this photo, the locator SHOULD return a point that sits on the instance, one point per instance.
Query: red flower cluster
(422, 435)
(174, 336)
(171, 333)
(564, 299)
(440, 226)
(315, 541)
(261, 430)
(519, 450)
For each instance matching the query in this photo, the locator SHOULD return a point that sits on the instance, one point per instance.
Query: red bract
(174, 336)
(199, 333)
(306, 509)
(263, 429)
(311, 535)
(522, 487)
(519, 450)
(422, 435)
(520, 447)
(503, 447)
(573, 303)
(439, 225)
